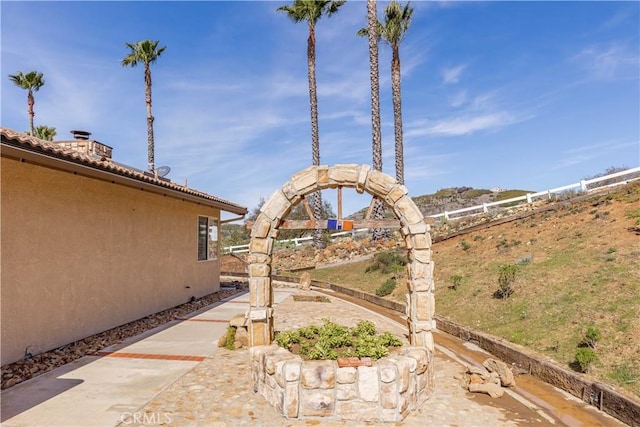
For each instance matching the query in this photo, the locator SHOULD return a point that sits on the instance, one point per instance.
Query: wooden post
(307, 208)
(339, 203)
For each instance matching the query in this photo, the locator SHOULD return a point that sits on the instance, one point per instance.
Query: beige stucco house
(88, 244)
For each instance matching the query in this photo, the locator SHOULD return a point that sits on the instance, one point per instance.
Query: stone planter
(387, 391)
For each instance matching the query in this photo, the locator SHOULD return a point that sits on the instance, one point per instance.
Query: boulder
(493, 390)
(305, 281)
(503, 371)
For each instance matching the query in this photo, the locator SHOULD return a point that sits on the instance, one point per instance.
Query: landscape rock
(503, 371)
(305, 281)
(493, 390)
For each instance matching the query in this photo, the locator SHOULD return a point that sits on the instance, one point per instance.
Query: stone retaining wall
(387, 391)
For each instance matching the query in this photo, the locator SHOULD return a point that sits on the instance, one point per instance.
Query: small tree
(506, 281)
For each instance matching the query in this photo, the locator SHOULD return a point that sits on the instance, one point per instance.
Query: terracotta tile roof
(26, 142)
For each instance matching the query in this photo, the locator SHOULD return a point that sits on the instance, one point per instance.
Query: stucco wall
(79, 256)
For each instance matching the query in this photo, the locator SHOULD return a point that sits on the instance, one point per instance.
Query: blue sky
(527, 95)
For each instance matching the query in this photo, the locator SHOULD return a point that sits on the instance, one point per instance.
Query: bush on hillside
(386, 288)
(506, 281)
(387, 262)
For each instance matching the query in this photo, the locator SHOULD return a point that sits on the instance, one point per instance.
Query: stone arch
(415, 232)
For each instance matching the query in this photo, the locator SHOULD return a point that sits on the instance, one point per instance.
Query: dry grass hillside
(577, 265)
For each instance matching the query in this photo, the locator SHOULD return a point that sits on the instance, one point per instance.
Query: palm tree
(311, 11)
(32, 82)
(45, 132)
(146, 52)
(393, 31)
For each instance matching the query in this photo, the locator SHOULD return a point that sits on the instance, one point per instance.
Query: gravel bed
(32, 366)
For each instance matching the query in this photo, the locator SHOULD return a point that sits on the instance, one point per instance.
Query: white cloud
(452, 75)
(464, 125)
(608, 62)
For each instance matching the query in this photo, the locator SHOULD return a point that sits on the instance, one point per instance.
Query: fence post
(583, 185)
(529, 198)
(446, 215)
(485, 209)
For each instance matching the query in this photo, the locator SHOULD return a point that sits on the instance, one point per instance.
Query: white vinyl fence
(585, 186)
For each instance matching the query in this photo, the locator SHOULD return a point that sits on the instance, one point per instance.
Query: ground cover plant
(331, 340)
(578, 265)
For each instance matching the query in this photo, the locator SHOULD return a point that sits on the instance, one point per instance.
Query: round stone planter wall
(386, 391)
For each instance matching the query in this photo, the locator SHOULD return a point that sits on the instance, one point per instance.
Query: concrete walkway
(175, 375)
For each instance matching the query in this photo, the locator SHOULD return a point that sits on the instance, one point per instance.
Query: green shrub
(456, 281)
(387, 262)
(386, 288)
(230, 338)
(506, 281)
(364, 327)
(332, 340)
(585, 356)
(591, 337)
(465, 246)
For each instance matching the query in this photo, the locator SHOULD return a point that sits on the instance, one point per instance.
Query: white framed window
(207, 238)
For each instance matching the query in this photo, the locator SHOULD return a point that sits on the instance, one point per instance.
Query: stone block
(346, 391)
(290, 192)
(241, 338)
(421, 241)
(318, 374)
(421, 285)
(317, 403)
(354, 410)
(305, 180)
(410, 213)
(292, 369)
(261, 227)
(344, 174)
(346, 375)
(261, 245)
(403, 365)
(396, 193)
(276, 207)
(413, 229)
(420, 355)
(363, 173)
(257, 332)
(389, 395)
(388, 371)
(368, 383)
(291, 403)
(379, 183)
(420, 255)
(238, 321)
(256, 258)
(259, 270)
(280, 362)
(421, 270)
(423, 310)
(323, 177)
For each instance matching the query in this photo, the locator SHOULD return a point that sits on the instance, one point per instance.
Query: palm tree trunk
(30, 102)
(372, 20)
(315, 138)
(376, 135)
(397, 114)
(147, 97)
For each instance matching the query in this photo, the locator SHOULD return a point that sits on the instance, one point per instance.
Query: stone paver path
(219, 392)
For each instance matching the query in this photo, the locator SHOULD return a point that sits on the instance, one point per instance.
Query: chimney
(81, 135)
(82, 144)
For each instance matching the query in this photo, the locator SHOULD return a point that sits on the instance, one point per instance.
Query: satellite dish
(162, 171)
